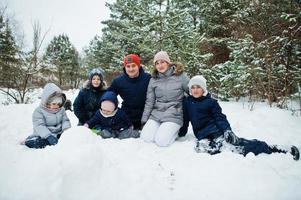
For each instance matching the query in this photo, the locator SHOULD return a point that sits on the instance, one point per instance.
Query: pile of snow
(85, 166)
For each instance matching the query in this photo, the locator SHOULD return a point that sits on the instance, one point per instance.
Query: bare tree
(22, 72)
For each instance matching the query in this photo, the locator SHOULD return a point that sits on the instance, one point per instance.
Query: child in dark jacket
(111, 121)
(212, 129)
(86, 103)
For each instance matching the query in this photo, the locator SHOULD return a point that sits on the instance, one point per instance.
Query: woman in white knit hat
(163, 113)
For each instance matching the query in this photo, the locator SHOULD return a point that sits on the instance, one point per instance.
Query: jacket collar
(136, 79)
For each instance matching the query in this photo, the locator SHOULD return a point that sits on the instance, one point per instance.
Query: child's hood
(111, 96)
(50, 89)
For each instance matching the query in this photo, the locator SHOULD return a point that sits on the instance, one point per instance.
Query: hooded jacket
(87, 102)
(46, 123)
(165, 95)
(117, 122)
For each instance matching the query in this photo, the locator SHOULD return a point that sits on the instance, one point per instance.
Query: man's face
(132, 70)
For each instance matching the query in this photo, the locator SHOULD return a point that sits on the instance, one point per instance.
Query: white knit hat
(108, 105)
(200, 81)
(162, 55)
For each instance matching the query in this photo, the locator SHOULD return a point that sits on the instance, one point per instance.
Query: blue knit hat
(96, 71)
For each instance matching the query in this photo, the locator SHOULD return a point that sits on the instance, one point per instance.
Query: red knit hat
(131, 58)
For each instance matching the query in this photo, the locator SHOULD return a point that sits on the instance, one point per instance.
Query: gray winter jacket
(164, 96)
(46, 123)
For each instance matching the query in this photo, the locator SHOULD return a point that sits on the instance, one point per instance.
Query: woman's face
(196, 91)
(161, 66)
(96, 81)
(132, 70)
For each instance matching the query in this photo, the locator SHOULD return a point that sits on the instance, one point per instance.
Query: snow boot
(231, 138)
(201, 146)
(295, 153)
(206, 146)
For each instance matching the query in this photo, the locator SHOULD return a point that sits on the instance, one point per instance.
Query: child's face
(132, 70)
(107, 112)
(96, 81)
(196, 91)
(161, 66)
(53, 106)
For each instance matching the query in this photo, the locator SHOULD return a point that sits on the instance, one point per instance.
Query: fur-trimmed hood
(88, 85)
(178, 69)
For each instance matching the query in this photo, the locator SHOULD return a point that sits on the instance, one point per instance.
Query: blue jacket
(118, 122)
(87, 103)
(133, 92)
(206, 117)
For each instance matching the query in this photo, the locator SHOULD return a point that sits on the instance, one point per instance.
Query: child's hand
(52, 140)
(86, 125)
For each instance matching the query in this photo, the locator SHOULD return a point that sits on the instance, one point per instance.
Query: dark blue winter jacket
(118, 122)
(133, 92)
(87, 103)
(206, 117)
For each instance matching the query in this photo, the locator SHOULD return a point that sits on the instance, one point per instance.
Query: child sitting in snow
(110, 121)
(49, 118)
(211, 127)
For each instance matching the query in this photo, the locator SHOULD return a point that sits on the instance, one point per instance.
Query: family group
(156, 107)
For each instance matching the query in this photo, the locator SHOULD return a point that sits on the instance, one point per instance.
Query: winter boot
(35, 142)
(231, 138)
(208, 146)
(201, 146)
(214, 147)
(295, 153)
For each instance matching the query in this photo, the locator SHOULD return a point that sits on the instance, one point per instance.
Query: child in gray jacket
(49, 118)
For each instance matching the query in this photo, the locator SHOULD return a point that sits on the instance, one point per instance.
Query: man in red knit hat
(132, 87)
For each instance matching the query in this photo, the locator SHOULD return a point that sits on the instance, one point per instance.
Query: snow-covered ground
(84, 166)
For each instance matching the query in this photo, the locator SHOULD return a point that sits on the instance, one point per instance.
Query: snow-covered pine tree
(145, 27)
(8, 53)
(63, 59)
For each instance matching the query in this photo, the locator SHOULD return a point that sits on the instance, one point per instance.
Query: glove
(230, 137)
(52, 140)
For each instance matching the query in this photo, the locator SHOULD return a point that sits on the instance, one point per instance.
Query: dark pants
(137, 125)
(127, 133)
(244, 146)
(253, 146)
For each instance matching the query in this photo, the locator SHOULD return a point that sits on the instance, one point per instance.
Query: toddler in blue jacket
(111, 121)
(212, 129)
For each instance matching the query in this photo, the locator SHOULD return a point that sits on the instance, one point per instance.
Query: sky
(79, 19)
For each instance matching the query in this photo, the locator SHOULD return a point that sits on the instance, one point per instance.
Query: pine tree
(62, 57)
(8, 53)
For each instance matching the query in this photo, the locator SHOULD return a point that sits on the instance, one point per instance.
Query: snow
(85, 166)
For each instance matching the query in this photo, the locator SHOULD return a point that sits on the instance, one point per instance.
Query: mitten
(52, 140)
